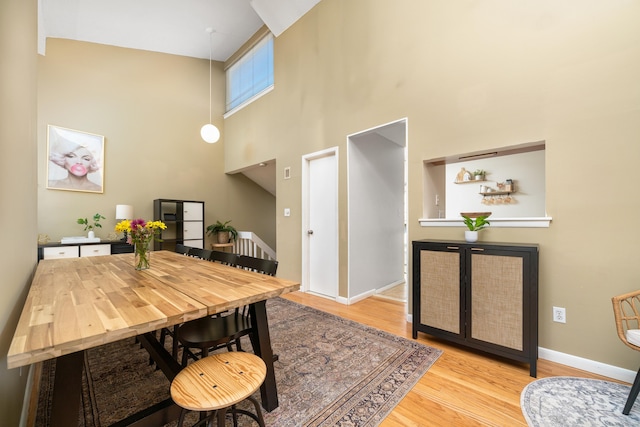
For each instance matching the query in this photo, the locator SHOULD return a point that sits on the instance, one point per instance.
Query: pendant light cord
(210, 55)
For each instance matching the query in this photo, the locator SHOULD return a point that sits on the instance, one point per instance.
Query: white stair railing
(249, 244)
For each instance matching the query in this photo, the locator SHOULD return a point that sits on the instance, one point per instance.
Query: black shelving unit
(184, 220)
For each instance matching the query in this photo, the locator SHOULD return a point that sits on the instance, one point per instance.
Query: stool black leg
(234, 415)
(259, 419)
(181, 420)
(633, 394)
(221, 417)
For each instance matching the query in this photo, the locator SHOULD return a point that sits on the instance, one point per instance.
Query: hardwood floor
(398, 293)
(462, 388)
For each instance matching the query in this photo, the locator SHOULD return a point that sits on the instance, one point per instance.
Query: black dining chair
(260, 265)
(211, 333)
(200, 253)
(226, 258)
(182, 249)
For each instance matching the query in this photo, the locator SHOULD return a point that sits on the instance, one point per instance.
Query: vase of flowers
(140, 234)
(141, 255)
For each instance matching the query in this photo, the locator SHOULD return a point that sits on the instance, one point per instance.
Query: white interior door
(321, 233)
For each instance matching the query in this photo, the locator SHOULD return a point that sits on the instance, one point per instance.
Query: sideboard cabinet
(56, 250)
(184, 220)
(483, 296)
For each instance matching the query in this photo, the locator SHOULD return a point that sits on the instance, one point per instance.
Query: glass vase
(141, 256)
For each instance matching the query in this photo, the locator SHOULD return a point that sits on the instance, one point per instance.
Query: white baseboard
(342, 300)
(356, 298)
(588, 365)
(24, 415)
(389, 286)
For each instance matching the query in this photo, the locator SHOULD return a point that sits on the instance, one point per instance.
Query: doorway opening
(377, 206)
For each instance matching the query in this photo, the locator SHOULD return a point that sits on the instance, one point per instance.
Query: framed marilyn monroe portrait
(75, 160)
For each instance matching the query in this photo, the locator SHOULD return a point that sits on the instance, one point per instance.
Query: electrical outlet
(559, 315)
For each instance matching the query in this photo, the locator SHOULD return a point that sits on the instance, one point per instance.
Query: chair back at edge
(206, 254)
(198, 252)
(626, 310)
(226, 258)
(182, 249)
(264, 266)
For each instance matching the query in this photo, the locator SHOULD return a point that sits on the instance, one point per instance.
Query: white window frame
(246, 64)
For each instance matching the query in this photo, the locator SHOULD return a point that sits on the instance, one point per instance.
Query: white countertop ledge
(530, 222)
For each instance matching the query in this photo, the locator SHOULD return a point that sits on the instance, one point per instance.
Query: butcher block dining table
(76, 304)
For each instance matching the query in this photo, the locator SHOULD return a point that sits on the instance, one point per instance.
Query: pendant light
(209, 132)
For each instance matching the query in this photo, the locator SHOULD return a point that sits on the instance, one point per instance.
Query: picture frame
(75, 160)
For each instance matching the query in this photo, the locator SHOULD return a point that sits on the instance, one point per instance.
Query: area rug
(331, 372)
(569, 401)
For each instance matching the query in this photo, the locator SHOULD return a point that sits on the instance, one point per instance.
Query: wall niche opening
(512, 187)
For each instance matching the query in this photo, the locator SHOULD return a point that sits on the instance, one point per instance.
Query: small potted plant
(223, 232)
(479, 174)
(87, 226)
(474, 224)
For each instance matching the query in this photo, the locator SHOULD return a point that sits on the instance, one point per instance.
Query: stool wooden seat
(218, 382)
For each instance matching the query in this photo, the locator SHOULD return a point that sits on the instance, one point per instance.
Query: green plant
(96, 222)
(479, 172)
(221, 227)
(476, 224)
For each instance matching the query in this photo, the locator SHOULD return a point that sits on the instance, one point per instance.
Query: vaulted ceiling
(170, 26)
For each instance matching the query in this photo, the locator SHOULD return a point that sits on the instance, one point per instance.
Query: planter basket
(222, 237)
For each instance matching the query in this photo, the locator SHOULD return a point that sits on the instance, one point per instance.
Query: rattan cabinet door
(497, 294)
(440, 290)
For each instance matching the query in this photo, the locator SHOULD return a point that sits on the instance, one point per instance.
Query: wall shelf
(496, 193)
(471, 181)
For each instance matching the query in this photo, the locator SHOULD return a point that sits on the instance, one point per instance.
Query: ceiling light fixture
(209, 132)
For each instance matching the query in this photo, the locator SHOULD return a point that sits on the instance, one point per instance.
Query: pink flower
(138, 223)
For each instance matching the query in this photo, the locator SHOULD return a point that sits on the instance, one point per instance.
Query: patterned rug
(569, 401)
(331, 372)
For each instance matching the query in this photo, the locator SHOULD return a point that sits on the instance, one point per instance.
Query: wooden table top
(78, 303)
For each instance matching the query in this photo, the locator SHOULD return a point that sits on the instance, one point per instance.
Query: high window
(251, 75)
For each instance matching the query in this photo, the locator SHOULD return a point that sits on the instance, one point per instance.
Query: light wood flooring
(397, 293)
(462, 388)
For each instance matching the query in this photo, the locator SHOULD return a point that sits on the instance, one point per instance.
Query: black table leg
(67, 390)
(262, 344)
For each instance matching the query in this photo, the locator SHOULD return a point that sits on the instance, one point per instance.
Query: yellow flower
(156, 224)
(123, 226)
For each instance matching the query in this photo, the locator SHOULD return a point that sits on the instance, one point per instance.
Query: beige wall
(149, 107)
(470, 76)
(17, 185)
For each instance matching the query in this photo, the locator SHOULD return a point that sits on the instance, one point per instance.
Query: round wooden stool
(218, 382)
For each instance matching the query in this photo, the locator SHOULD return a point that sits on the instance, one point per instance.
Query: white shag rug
(570, 401)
